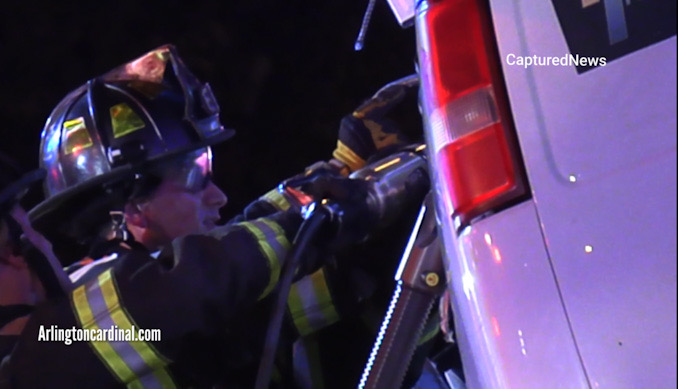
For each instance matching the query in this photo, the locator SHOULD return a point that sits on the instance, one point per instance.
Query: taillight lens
(467, 119)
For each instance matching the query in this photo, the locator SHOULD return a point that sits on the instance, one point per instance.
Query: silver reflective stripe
(276, 199)
(310, 304)
(104, 320)
(273, 244)
(135, 363)
(150, 381)
(306, 363)
(76, 275)
(273, 237)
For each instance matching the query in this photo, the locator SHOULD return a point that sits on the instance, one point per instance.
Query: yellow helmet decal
(77, 136)
(124, 120)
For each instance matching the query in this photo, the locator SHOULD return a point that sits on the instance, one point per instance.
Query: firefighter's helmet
(118, 125)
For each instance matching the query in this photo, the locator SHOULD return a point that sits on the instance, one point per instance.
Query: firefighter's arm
(198, 288)
(323, 297)
(232, 267)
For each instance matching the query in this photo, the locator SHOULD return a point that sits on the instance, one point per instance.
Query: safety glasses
(191, 172)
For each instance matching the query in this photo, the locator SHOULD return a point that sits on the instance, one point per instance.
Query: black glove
(345, 200)
(367, 131)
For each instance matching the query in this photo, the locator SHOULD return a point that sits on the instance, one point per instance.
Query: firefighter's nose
(214, 196)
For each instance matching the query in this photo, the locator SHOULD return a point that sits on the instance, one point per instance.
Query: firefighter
(130, 150)
(142, 131)
(29, 270)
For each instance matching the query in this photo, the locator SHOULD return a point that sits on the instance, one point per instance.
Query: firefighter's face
(175, 209)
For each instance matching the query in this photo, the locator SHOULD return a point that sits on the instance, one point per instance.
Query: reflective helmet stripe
(136, 363)
(310, 304)
(276, 199)
(272, 243)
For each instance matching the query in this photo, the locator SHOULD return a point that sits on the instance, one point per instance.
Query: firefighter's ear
(134, 215)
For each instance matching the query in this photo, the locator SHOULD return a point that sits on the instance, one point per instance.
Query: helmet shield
(191, 172)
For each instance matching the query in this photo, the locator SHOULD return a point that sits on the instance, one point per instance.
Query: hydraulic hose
(390, 184)
(305, 236)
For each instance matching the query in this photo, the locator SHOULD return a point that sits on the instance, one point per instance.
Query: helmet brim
(14, 191)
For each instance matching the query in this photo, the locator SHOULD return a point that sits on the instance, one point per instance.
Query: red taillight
(467, 116)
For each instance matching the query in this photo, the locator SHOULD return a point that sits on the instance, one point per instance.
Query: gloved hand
(345, 199)
(275, 201)
(366, 130)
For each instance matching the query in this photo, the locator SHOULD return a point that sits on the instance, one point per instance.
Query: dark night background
(284, 72)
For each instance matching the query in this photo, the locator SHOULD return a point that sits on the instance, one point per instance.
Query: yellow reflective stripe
(122, 319)
(273, 261)
(104, 350)
(159, 378)
(280, 236)
(327, 311)
(276, 199)
(296, 307)
(136, 363)
(82, 307)
(310, 304)
(344, 154)
(308, 371)
(165, 379)
(272, 243)
(313, 353)
(281, 246)
(136, 384)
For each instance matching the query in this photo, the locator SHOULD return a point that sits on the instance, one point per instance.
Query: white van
(551, 128)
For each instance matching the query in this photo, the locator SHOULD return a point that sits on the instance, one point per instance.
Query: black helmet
(118, 125)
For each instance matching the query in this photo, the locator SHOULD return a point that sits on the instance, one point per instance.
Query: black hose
(305, 236)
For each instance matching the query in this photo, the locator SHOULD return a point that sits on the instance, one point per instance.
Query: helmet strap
(118, 227)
